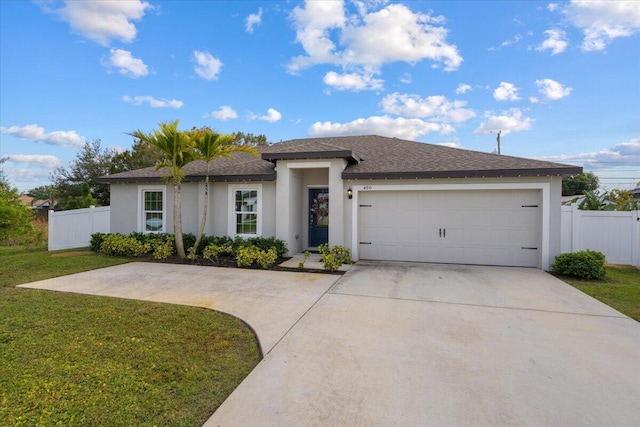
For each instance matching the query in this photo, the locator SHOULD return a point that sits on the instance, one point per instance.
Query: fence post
(50, 229)
(635, 251)
(575, 227)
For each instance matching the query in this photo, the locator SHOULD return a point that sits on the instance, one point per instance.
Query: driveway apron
(444, 345)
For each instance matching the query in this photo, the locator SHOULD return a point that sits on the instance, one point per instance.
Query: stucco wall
(124, 208)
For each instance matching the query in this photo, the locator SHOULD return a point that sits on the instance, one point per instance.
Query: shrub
(331, 262)
(342, 255)
(585, 264)
(266, 243)
(119, 245)
(96, 241)
(214, 250)
(245, 256)
(266, 258)
(164, 249)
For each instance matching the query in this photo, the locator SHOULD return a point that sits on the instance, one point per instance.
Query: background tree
(623, 200)
(579, 184)
(16, 219)
(176, 150)
(209, 145)
(250, 139)
(141, 155)
(91, 162)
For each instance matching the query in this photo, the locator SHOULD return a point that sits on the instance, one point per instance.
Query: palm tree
(209, 145)
(177, 150)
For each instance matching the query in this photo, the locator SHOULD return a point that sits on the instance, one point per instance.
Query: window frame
(232, 225)
(142, 211)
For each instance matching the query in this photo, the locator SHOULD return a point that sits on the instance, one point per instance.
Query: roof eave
(306, 155)
(190, 178)
(498, 173)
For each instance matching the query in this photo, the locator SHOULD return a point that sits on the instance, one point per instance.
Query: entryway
(318, 216)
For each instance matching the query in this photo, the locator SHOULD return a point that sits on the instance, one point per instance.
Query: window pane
(153, 200)
(153, 221)
(246, 223)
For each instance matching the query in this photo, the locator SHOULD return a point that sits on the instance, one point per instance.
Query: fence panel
(73, 229)
(615, 234)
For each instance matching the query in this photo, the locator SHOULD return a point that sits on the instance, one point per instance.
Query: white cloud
(102, 21)
(406, 78)
(509, 121)
(450, 144)
(352, 81)
(380, 125)
(125, 62)
(369, 39)
(506, 92)
(556, 42)
(435, 107)
(626, 152)
(553, 90)
(551, 7)
(153, 102)
(225, 113)
(272, 116)
(462, 89)
(603, 21)
(36, 133)
(253, 20)
(534, 99)
(208, 66)
(44, 160)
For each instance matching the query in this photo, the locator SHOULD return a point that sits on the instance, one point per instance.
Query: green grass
(78, 360)
(620, 289)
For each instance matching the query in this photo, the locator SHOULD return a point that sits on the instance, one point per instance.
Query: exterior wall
(294, 178)
(551, 196)
(124, 208)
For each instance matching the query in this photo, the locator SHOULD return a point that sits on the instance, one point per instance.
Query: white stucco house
(383, 198)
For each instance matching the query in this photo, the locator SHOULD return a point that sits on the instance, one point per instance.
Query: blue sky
(559, 79)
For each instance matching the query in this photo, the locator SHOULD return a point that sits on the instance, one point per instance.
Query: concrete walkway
(270, 302)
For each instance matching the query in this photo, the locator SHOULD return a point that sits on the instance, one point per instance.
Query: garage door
(500, 227)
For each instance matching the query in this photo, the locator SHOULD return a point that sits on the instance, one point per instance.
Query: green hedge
(585, 264)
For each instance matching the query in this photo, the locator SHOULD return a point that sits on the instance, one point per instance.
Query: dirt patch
(73, 253)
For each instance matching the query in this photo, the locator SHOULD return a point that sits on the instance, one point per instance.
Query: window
(245, 214)
(152, 217)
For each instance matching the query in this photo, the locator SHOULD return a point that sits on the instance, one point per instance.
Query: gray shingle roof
(369, 157)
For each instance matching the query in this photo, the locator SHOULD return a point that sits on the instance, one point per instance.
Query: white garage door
(500, 227)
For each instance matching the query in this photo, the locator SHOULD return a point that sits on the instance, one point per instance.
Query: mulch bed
(230, 262)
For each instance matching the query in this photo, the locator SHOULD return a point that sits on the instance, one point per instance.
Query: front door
(318, 216)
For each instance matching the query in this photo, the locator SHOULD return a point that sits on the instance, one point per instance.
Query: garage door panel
(473, 227)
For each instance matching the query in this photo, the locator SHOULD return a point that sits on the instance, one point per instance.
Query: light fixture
(350, 193)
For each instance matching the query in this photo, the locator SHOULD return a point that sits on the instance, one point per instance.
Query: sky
(559, 80)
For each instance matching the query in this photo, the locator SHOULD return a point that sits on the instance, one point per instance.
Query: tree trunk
(177, 218)
(204, 215)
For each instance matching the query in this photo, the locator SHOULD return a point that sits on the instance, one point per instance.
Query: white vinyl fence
(73, 229)
(615, 234)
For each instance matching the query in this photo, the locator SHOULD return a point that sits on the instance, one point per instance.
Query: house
(40, 208)
(383, 198)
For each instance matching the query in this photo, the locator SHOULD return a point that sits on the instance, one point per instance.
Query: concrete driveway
(407, 344)
(441, 345)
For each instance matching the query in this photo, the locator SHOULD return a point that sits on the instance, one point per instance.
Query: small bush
(266, 243)
(164, 249)
(119, 245)
(331, 262)
(341, 254)
(214, 251)
(266, 258)
(96, 241)
(585, 264)
(245, 256)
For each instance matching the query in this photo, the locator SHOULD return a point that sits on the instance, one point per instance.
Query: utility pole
(498, 139)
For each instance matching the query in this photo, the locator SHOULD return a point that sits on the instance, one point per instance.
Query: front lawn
(620, 289)
(78, 360)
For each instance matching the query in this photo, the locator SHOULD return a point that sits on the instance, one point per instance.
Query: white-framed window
(152, 202)
(245, 210)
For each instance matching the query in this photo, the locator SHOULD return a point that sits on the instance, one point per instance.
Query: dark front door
(318, 216)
